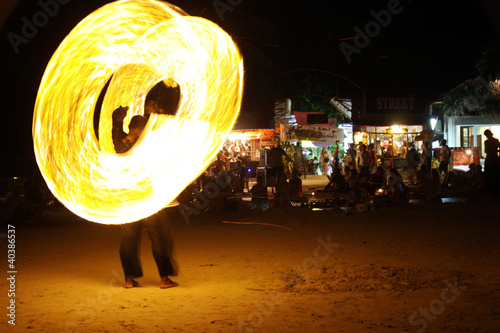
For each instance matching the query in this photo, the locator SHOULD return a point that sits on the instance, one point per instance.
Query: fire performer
(156, 225)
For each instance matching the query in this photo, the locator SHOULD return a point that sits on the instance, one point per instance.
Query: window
(466, 136)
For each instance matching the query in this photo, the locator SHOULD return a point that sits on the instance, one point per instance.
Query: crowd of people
(272, 188)
(363, 173)
(358, 171)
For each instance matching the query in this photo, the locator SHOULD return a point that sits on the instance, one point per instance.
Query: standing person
(390, 148)
(426, 156)
(277, 156)
(351, 152)
(156, 225)
(491, 162)
(325, 160)
(373, 156)
(412, 162)
(444, 160)
(299, 158)
(315, 165)
(336, 155)
(364, 161)
(403, 151)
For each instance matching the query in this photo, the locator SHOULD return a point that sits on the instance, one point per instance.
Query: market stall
(249, 145)
(392, 120)
(390, 143)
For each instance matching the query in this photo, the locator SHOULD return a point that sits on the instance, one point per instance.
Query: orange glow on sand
(136, 44)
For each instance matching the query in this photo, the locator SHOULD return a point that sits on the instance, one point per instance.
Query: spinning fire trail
(134, 45)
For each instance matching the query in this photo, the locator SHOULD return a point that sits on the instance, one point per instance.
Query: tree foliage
(473, 97)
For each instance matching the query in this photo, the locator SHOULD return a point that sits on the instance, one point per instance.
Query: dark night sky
(430, 44)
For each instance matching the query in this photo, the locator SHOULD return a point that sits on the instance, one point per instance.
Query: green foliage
(473, 97)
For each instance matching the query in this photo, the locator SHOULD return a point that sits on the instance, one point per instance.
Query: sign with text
(395, 102)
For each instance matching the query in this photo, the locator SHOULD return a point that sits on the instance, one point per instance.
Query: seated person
(337, 182)
(422, 174)
(353, 181)
(479, 179)
(434, 184)
(346, 172)
(398, 190)
(428, 182)
(377, 180)
(17, 208)
(295, 186)
(260, 199)
(471, 173)
(282, 195)
(219, 165)
(384, 166)
(474, 178)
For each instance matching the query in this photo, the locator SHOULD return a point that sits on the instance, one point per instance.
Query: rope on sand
(273, 225)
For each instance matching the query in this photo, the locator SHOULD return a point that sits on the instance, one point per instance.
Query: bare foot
(167, 283)
(130, 283)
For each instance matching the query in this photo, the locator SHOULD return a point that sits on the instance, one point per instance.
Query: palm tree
(474, 97)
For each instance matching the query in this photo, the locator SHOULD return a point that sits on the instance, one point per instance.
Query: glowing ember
(136, 44)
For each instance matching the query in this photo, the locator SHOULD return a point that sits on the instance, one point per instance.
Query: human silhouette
(155, 225)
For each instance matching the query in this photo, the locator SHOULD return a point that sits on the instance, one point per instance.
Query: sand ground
(423, 267)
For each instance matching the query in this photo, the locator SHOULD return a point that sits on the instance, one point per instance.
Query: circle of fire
(134, 44)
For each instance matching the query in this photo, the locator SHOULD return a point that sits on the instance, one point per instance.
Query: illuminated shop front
(248, 143)
(392, 120)
(390, 142)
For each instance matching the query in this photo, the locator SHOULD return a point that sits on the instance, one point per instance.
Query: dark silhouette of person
(155, 225)
(219, 165)
(412, 162)
(337, 182)
(444, 161)
(364, 161)
(277, 155)
(377, 180)
(282, 195)
(238, 177)
(295, 186)
(426, 155)
(396, 186)
(336, 154)
(260, 198)
(491, 162)
(17, 208)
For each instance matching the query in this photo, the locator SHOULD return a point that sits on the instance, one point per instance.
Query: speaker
(264, 157)
(265, 172)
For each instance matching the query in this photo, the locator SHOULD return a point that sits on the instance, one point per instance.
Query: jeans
(161, 243)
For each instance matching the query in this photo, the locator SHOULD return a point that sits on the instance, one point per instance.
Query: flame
(134, 45)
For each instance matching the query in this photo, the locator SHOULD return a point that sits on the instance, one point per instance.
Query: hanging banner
(318, 136)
